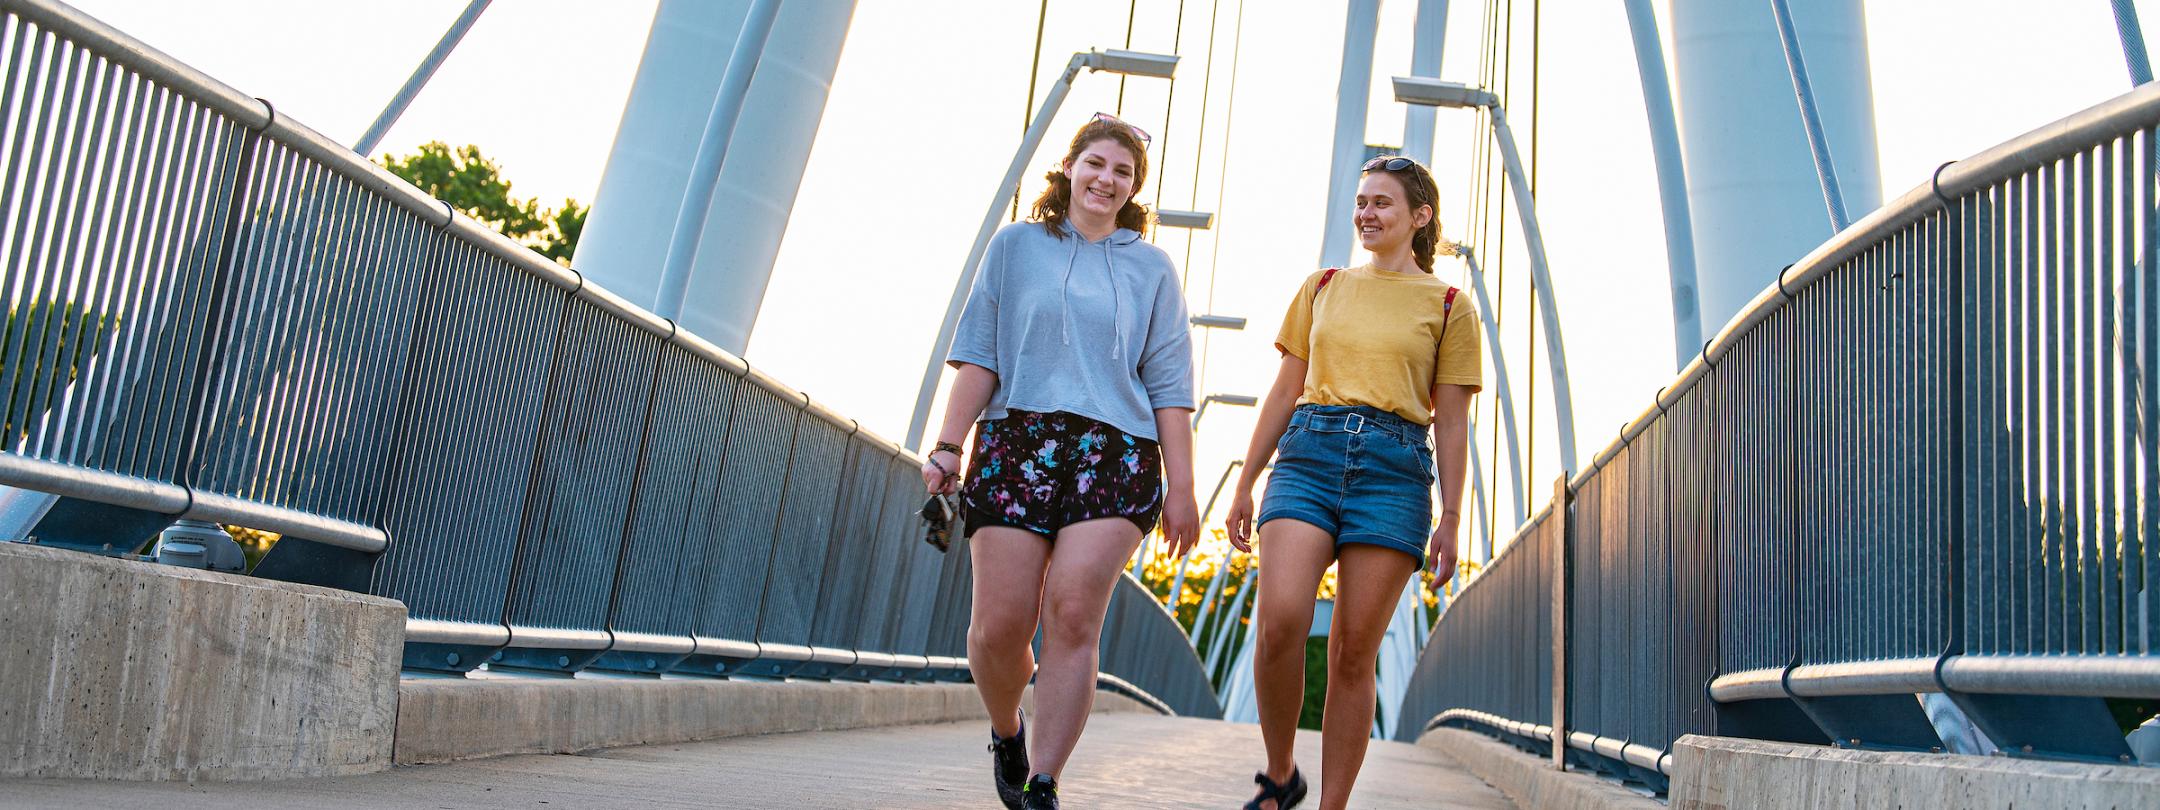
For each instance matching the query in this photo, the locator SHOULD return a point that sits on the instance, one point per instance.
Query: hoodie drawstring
(1117, 298)
(1065, 296)
(1117, 303)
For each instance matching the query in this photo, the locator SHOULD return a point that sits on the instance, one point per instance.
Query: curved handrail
(1761, 544)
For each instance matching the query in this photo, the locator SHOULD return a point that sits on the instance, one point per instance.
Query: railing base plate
(543, 659)
(1776, 719)
(434, 657)
(1873, 722)
(2050, 727)
(640, 663)
(99, 528)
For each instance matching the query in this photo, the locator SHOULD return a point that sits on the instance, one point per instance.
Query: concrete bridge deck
(1126, 761)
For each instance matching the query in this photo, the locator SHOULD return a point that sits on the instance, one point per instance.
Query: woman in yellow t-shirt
(1374, 357)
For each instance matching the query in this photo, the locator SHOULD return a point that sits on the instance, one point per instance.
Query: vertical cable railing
(215, 312)
(1920, 463)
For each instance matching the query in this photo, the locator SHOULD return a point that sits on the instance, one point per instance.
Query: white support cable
(1162, 163)
(1207, 86)
(1222, 175)
(391, 112)
(1818, 143)
(2133, 42)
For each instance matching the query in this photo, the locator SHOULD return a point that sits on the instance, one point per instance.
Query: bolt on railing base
(826, 664)
(637, 663)
(543, 659)
(441, 657)
(719, 658)
(1873, 722)
(98, 528)
(2048, 726)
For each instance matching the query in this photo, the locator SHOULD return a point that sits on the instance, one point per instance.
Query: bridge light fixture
(1436, 93)
(1431, 92)
(1195, 220)
(1229, 322)
(1127, 63)
(1240, 400)
(1133, 63)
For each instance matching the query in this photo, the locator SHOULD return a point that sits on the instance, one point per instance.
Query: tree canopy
(471, 183)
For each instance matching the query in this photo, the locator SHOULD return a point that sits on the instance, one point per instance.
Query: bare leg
(1009, 567)
(1368, 580)
(1084, 567)
(1293, 556)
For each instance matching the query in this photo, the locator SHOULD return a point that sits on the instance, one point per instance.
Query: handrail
(548, 475)
(1931, 527)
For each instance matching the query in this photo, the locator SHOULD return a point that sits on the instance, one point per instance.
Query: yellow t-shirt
(1371, 337)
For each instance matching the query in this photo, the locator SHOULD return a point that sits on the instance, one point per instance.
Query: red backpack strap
(1447, 309)
(1325, 277)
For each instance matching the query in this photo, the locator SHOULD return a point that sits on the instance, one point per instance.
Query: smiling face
(1385, 218)
(1103, 176)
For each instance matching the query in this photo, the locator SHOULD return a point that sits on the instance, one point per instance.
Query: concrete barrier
(1721, 772)
(446, 719)
(112, 669)
(1530, 781)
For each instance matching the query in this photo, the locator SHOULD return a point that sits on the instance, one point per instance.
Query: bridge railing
(1923, 462)
(217, 313)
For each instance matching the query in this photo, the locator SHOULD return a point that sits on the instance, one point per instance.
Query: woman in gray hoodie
(1075, 370)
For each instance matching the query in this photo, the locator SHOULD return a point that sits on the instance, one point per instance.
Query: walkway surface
(1126, 761)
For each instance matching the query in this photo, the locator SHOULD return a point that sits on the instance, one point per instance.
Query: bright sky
(930, 98)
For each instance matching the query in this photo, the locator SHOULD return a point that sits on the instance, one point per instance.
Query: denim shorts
(1361, 473)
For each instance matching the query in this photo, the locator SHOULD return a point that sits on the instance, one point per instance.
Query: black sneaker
(1009, 765)
(1040, 793)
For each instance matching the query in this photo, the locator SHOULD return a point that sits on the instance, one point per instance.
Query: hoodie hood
(1120, 237)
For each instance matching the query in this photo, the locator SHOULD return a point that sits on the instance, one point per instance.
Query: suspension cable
(1207, 84)
(1162, 166)
(1237, 52)
(1131, 12)
(1027, 110)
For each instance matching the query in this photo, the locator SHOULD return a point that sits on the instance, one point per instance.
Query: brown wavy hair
(1420, 189)
(1050, 208)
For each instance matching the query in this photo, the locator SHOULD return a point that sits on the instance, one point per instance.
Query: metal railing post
(1559, 622)
(934, 370)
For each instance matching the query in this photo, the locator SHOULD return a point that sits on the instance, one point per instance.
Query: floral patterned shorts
(1045, 471)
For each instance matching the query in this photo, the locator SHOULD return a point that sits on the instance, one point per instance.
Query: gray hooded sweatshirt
(1090, 328)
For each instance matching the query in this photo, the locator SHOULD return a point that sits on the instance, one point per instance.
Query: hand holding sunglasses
(940, 514)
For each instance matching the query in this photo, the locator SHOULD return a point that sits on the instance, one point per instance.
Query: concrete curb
(1718, 772)
(445, 719)
(115, 669)
(1527, 780)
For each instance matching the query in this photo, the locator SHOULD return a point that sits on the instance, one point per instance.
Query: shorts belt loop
(1356, 422)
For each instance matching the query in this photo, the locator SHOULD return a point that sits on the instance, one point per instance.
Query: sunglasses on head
(1392, 163)
(1137, 132)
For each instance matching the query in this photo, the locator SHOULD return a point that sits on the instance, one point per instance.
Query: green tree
(566, 223)
(473, 184)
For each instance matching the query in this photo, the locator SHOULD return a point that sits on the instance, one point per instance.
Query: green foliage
(254, 543)
(1315, 683)
(2131, 712)
(568, 223)
(471, 183)
(43, 349)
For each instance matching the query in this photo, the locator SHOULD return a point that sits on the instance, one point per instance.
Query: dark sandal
(1285, 796)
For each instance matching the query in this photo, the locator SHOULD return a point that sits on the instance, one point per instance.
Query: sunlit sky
(930, 97)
